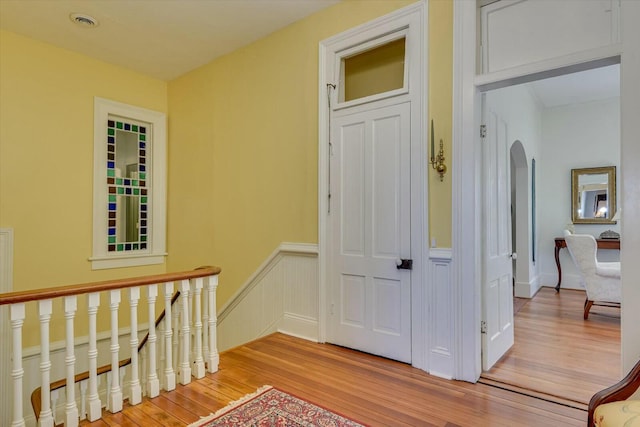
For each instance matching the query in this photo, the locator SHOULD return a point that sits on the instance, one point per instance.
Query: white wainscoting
(441, 327)
(281, 296)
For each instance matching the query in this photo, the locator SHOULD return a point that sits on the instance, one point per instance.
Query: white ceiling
(585, 86)
(160, 38)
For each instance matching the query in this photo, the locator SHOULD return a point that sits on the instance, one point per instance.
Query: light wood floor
(557, 352)
(369, 389)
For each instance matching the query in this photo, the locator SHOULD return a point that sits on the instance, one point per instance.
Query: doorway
(562, 123)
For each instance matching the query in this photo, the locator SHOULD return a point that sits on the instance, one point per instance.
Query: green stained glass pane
(143, 175)
(119, 181)
(112, 239)
(112, 197)
(111, 131)
(111, 172)
(143, 137)
(136, 191)
(143, 200)
(119, 125)
(143, 238)
(120, 247)
(134, 182)
(134, 128)
(120, 190)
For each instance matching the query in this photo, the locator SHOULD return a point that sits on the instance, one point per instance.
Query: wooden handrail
(107, 285)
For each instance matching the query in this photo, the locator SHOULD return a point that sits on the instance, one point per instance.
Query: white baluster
(114, 401)
(54, 404)
(71, 409)
(185, 365)
(46, 416)
(213, 358)
(198, 363)
(169, 374)
(205, 324)
(144, 370)
(122, 372)
(17, 320)
(135, 392)
(94, 407)
(177, 336)
(153, 384)
(83, 399)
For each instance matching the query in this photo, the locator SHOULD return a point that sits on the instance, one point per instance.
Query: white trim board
(6, 285)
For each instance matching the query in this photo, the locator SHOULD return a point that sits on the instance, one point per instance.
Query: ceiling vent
(84, 21)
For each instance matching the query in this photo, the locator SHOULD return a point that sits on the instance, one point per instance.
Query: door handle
(404, 264)
(513, 256)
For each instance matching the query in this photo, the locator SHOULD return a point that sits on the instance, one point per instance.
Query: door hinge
(483, 131)
(483, 327)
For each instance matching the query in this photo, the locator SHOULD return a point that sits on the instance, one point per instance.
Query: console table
(561, 243)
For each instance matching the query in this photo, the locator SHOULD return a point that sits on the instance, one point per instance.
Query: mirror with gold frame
(593, 195)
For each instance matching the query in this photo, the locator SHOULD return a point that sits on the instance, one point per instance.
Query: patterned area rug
(271, 407)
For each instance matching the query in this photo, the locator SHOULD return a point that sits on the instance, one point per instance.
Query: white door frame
(466, 268)
(6, 285)
(415, 14)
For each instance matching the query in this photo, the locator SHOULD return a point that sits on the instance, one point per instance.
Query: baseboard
(299, 326)
(281, 295)
(569, 281)
(527, 289)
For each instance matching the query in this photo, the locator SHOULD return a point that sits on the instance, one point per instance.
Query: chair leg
(587, 307)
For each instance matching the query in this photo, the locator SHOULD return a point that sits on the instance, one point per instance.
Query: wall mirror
(593, 195)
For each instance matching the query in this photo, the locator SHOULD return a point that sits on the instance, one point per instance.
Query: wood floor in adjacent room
(368, 389)
(557, 352)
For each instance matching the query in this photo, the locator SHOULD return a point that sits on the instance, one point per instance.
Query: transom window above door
(372, 71)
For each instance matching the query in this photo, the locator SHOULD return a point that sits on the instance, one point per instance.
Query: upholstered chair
(600, 279)
(617, 405)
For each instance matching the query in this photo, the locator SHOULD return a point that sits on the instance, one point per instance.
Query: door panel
(498, 335)
(370, 220)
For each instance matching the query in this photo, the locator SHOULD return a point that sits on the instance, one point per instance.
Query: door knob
(514, 256)
(404, 264)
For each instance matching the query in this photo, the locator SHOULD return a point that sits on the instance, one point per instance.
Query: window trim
(156, 249)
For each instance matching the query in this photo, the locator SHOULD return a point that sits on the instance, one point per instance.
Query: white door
(497, 310)
(370, 305)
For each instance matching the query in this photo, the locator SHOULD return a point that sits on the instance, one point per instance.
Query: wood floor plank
(557, 352)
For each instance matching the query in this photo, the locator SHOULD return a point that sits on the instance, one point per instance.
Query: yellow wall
(243, 143)
(46, 159)
(441, 111)
(243, 136)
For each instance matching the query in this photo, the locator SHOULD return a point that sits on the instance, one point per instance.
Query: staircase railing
(196, 317)
(36, 395)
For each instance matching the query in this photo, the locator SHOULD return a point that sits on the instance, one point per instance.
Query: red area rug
(271, 407)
